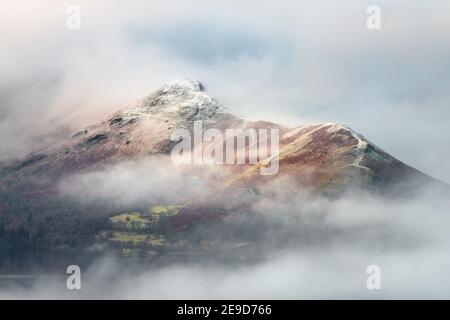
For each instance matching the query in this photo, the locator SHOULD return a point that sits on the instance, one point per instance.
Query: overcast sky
(288, 61)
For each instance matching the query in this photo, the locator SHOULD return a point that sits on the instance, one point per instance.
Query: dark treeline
(49, 222)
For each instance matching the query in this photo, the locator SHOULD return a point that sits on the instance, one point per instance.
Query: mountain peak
(182, 100)
(312, 155)
(181, 85)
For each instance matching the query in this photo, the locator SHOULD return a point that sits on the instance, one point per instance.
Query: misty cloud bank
(140, 183)
(331, 244)
(333, 271)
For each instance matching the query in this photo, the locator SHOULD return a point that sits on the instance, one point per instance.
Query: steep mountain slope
(333, 157)
(328, 159)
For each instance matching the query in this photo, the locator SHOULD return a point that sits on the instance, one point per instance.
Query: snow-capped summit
(181, 100)
(181, 85)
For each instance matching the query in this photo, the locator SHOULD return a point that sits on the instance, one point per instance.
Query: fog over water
(316, 248)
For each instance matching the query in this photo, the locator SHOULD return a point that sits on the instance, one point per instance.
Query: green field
(133, 239)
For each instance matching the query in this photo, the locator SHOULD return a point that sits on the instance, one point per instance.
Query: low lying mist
(313, 246)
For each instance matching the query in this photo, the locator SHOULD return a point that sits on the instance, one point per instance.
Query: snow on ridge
(183, 84)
